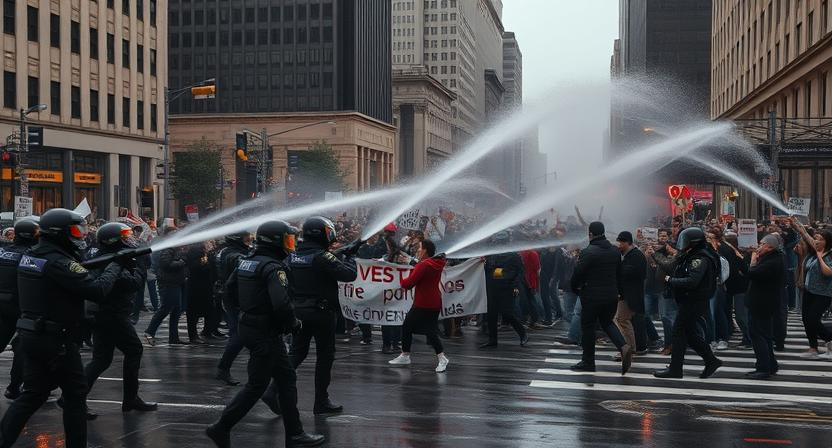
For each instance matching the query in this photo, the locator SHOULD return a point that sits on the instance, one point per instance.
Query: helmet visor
(289, 242)
(128, 238)
(78, 231)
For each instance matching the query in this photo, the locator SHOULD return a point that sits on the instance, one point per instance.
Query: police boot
(327, 407)
(305, 439)
(137, 404)
(710, 368)
(89, 414)
(220, 437)
(12, 393)
(668, 373)
(225, 376)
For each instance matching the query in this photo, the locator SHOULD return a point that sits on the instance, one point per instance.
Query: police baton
(123, 254)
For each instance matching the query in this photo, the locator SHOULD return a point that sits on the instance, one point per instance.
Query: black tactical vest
(9, 259)
(251, 285)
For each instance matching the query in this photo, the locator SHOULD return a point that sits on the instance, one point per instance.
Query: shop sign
(87, 178)
(45, 176)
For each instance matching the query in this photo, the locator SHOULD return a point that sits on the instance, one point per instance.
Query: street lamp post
(170, 95)
(22, 186)
(263, 138)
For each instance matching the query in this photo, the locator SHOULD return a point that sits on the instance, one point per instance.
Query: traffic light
(241, 149)
(204, 92)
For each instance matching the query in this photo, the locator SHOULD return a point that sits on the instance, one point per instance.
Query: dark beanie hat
(596, 228)
(625, 237)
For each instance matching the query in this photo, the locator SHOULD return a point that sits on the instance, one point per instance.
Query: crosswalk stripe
(710, 393)
(727, 381)
(806, 362)
(637, 365)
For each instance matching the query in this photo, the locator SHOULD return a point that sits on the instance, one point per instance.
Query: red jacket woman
(425, 277)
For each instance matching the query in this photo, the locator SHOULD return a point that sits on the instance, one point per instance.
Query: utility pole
(261, 162)
(775, 162)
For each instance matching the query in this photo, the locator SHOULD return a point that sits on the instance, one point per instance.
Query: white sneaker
(722, 345)
(442, 364)
(811, 354)
(401, 360)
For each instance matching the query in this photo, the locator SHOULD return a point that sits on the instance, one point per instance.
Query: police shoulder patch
(328, 256)
(696, 262)
(32, 264)
(281, 276)
(248, 265)
(77, 268)
(10, 256)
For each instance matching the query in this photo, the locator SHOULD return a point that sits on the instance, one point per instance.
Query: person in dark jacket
(552, 309)
(199, 289)
(225, 263)
(629, 317)
(767, 280)
(503, 277)
(171, 283)
(596, 280)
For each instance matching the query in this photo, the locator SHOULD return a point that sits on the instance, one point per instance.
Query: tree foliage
(197, 170)
(318, 171)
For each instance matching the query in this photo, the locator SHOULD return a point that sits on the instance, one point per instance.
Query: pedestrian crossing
(800, 380)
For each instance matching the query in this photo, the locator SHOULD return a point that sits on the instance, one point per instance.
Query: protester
(427, 304)
(767, 277)
(629, 316)
(817, 294)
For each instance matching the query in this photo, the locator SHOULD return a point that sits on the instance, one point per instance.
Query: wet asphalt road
(506, 397)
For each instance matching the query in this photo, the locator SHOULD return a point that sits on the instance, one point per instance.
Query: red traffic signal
(685, 192)
(674, 191)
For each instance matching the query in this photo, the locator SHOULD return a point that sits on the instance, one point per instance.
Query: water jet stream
(514, 247)
(665, 152)
(219, 216)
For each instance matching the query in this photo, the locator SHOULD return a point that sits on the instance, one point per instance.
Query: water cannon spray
(122, 255)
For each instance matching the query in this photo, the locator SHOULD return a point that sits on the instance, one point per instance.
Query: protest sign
(83, 208)
(747, 233)
(409, 220)
(22, 207)
(435, 229)
(647, 234)
(192, 212)
(799, 206)
(376, 296)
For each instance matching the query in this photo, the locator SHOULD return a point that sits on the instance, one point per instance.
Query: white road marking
(598, 362)
(789, 362)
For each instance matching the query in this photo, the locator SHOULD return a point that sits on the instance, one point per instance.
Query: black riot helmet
(116, 236)
(319, 230)
(690, 238)
(237, 238)
(64, 228)
(276, 236)
(27, 230)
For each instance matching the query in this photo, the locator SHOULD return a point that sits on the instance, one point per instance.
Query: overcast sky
(567, 43)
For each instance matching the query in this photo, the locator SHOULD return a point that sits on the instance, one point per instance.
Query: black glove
(350, 249)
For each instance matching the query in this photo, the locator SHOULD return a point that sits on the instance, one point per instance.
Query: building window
(810, 28)
(125, 53)
(8, 16)
(140, 114)
(153, 12)
(262, 37)
(111, 109)
(154, 118)
(140, 9)
(55, 97)
(55, 30)
(33, 92)
(93, 43)
(125, 112)
(125, 7)
(93, 105)
(140, 58)
(32, 23)
(822, 98)
(75, 37)
(75, 98)
(152, 62)
(797, 32)
(111, 49)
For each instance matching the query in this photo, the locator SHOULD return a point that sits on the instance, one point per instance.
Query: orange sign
(87, 178)
(37, 175)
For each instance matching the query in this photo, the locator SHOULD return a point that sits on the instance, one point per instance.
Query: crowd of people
(264, 292)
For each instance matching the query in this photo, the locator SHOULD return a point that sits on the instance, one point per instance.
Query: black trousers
(49, 361)
(421, 321)
(687, 333)
(593, 313)
(115, 332)
(501, 302)
(813, 308)
(8, 328)
(761, 331)
(268, 361)
(319, 325)
(781, 318)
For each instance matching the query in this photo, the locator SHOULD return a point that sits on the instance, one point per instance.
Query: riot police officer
(693, 283)
(52, 287)
(25, 236)
(261, 286)
(503, 277)
(112, 327)
(315, 275)
(225, 262)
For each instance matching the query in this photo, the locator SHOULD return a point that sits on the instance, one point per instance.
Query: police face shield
(78, 234)
(289, 242)
(129, 239)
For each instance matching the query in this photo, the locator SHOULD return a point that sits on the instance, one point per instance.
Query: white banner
(22, 206)
(409, 220)
(376, 296)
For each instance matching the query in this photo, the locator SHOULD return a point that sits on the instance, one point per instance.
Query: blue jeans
(172, 303)
(551, 302)
(717, 326)
(569, 301)
(668, 310)
(651, 303)
(154, 294)
(575, 322)
(741, 313)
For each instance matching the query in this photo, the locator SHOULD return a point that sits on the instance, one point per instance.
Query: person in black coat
(767, 280)
(171, 280)
(503, 277)
(552, 310)
(199, 289)
(596, 280)
(630, 313)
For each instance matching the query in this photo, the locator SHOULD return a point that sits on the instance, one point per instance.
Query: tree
(318, 171)
(197, 170)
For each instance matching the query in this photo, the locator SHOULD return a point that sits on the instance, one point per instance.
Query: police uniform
(693, 283)
(266, 313)
(504, 274)
(225, 262)
(314, 290)
(112, 329)
(52, 286)
(10, 311)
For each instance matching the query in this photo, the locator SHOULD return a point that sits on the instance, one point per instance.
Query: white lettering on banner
(377, 297)
(409, 220)
(799, 206)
